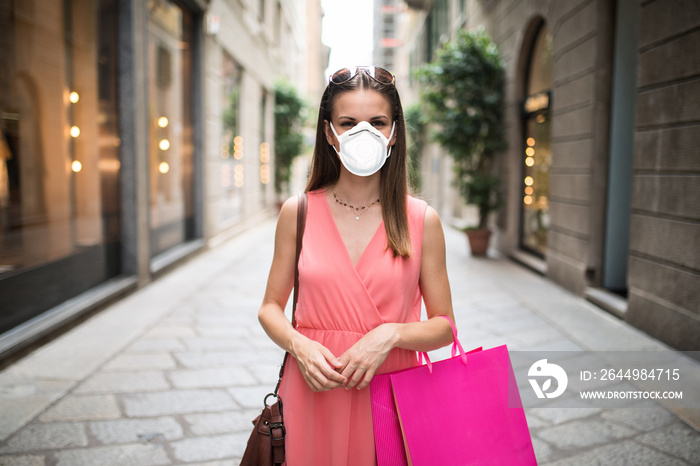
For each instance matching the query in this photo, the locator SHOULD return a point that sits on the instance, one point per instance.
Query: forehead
(361, 104)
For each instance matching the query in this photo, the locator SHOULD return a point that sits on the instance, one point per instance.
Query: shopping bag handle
(455, 346)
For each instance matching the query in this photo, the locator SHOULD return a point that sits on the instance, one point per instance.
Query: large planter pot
(479, 241)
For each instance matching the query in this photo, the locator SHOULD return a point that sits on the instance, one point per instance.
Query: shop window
(264, 147)
(59, 153)
(437, 26)
(536, 154)
(232, 168)
(170, 47)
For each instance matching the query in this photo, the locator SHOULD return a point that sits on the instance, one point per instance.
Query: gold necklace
(357, 211)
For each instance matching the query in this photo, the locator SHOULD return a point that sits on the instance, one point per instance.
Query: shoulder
(289, 208)
(415, 203)
(415, 208)
(433, 235)
(288, 212)
(287, 220)
(431, 222)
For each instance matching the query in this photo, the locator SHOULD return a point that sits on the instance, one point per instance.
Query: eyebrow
(378, 117)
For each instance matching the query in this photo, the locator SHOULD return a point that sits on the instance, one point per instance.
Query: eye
(378, 123)
(347, 124)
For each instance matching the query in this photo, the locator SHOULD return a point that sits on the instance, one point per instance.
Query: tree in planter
(289, 138)
(463, 89)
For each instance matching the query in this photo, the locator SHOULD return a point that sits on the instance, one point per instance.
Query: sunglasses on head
(380, 75)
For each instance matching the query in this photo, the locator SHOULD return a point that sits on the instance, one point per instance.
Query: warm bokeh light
(74, 97)
(527, 200)
(529, 161)
(226, 175)
(76, 166)
(264, 174)
(530, 151)
(238, 175)
(74, 131)
(164, 144)
(238, 148)
(530, 142)
(264, 152)
(163, 167)
(529, 181)
(529, 190)
(162, 122)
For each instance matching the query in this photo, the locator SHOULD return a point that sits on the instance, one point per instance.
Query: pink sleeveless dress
(338, 304)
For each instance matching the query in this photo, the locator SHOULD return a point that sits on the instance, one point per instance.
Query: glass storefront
(264, 148)
(171, 144)
(59, 153)
(536, 152)
(232, 168)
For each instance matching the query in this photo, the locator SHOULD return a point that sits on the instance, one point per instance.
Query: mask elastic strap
(393, 127)
(336, 136)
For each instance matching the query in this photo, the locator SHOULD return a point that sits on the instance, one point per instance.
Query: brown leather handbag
(266, 442)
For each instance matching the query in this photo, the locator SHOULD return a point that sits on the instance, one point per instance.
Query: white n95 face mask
(363, 148)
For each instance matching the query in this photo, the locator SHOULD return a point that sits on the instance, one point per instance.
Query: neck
(359, 190)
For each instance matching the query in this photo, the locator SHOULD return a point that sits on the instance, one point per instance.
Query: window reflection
(232, 168)
(59, 161)
(170, 117)
(536, 156)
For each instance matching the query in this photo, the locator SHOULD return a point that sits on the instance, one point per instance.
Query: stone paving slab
(134, 430)
(120, 454)
(124, 382)
(175, 372)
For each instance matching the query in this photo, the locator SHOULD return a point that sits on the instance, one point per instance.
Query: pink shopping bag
(452, 412)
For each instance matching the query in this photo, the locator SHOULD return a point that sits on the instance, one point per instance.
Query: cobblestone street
(174, 373)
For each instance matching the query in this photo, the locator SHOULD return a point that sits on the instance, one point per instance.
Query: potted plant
(463, 90)
(289, 139)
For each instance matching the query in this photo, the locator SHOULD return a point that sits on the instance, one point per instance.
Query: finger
(313, 384)
(325, 377)
(321, 383)
(367, 379)
(311, 376)
(334, 377)
(355, 379)
(348, 371)
(336, 363)
(329, 370)
(330, 357)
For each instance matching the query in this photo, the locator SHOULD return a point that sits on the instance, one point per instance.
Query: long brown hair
(393, 186)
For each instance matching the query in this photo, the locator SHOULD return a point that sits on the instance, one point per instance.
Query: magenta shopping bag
(458, 411)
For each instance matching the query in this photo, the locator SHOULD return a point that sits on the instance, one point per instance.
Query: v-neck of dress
(340, 237)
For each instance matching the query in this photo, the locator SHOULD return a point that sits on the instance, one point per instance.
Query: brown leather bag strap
(277, 433)
(301, 225)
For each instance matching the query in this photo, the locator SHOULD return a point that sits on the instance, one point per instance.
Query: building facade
(134, 133)
(601, 174)
(388, 19)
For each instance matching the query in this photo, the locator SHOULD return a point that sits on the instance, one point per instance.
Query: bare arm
(362, 360)
(316, 362)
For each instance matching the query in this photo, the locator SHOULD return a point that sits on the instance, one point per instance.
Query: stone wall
(664, 267)
(582, 60)
(664, 242)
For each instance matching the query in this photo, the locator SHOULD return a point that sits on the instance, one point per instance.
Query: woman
(370, 252)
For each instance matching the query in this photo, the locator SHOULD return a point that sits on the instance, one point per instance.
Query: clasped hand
(355, 368)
